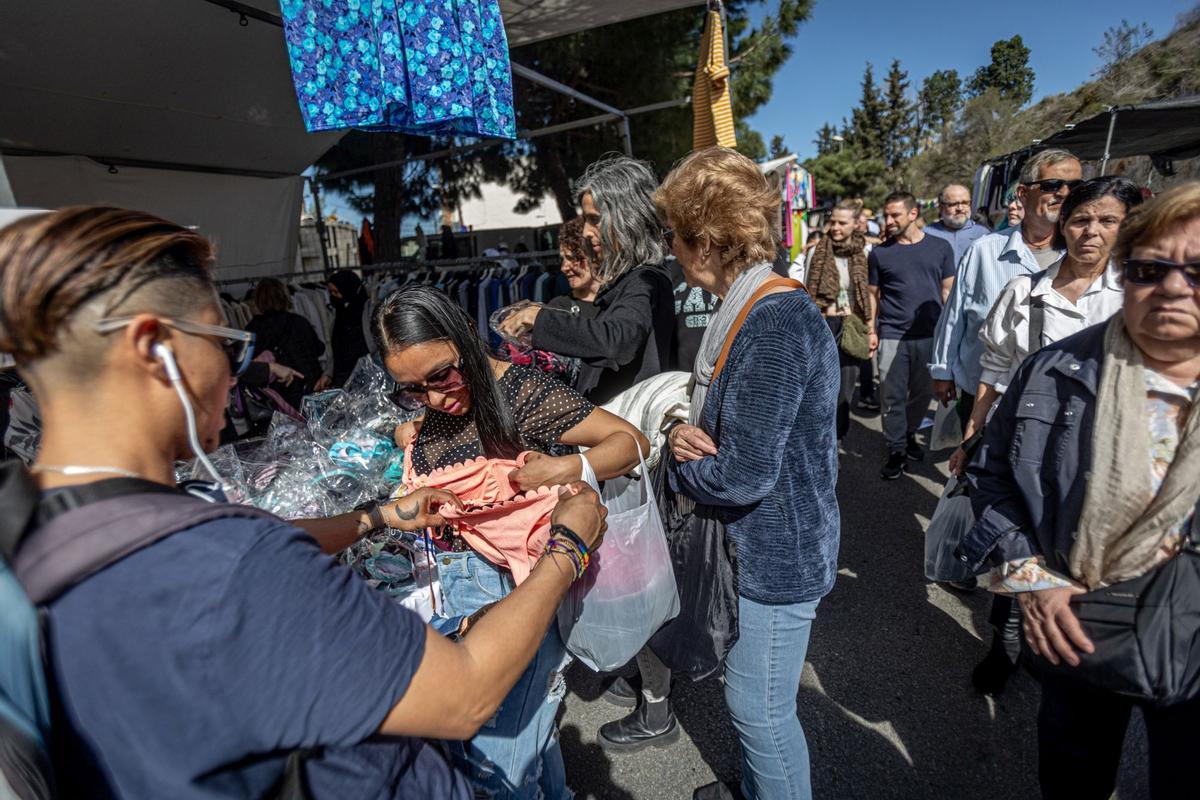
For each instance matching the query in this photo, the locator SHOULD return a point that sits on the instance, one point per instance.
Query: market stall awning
(151, 81)
(1164, 129)
(527, 21)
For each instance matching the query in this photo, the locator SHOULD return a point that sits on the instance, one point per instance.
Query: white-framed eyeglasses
(237, 345)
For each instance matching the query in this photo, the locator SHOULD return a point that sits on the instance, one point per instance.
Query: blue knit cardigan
(772, 413)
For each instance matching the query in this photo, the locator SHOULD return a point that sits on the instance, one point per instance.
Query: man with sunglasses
(1044, 183)
(955, 224)
(989, 264)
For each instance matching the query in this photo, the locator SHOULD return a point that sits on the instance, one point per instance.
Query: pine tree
(866, 121)
(941, 98)
(897, 121)
(824, 141)
(1009, 73)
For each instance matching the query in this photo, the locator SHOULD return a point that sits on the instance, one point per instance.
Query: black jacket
(294, 343)
(628, 341)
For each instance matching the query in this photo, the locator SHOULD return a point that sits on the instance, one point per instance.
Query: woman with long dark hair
(348, 340)
(478, 406)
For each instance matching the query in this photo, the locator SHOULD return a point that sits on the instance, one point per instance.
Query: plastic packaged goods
(524, 339)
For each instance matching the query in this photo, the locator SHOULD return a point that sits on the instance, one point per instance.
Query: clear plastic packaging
(343, 455)
(24, 433)
(524, 338)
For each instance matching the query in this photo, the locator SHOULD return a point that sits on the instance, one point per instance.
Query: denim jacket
(1029, 478)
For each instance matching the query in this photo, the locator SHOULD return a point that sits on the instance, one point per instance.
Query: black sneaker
(894, 467)
(914, 452)
(869, 403)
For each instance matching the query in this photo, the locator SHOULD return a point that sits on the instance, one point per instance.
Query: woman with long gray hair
(629, 339)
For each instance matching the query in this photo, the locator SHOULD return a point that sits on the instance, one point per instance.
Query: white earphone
(164, 354)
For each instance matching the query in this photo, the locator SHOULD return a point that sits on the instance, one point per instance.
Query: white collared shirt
(989, 264)
(1005, 332)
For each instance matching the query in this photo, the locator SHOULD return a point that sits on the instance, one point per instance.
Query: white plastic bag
(629, 591)
(952, 519)
(947, 430)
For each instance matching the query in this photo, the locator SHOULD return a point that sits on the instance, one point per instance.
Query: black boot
(991, 675)
(650, 724)
(621, 694)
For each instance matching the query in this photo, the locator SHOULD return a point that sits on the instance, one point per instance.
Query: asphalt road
(885, 699)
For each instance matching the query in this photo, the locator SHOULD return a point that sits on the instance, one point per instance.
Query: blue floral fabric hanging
(426, 67)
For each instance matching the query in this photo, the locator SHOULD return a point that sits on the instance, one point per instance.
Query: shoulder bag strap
(767, 288)
(81, 541)
(1037, 313)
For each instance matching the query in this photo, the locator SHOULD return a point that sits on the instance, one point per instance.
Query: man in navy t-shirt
(910, 276)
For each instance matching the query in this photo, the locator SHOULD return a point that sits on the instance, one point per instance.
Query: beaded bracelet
(570, 535)
(556, 546)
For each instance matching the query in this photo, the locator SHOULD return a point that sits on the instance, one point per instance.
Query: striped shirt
(987, 267)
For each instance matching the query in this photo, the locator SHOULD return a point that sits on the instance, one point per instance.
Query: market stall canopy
(186, 108)
(1164, 128)
(177, 82)
(528, 21)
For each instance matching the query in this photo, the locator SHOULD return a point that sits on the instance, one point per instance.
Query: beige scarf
(1123, 526)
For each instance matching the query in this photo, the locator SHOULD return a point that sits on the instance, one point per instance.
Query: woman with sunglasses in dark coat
(1085, 488)
(478, 406)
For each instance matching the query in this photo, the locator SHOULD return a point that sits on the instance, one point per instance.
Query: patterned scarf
(743, 288)
(1124, 523)
(823, 280)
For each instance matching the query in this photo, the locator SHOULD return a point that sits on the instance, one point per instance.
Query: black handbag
(1146, 631)
(696, 641)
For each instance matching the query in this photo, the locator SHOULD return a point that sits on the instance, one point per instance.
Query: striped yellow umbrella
(710, 93)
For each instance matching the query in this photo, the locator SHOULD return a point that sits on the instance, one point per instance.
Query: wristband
(374, 516)
(569, 535)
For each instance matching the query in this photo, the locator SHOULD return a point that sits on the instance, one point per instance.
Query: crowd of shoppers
(1068, 341)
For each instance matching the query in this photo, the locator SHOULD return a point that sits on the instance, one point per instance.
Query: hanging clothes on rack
(430, 68)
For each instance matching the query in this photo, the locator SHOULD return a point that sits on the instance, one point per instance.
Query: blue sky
(821, 80)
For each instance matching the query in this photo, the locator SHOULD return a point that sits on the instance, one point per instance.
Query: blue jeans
(515, 756)
(762, 679)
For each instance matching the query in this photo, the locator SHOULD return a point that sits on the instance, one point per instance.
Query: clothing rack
(448, 266)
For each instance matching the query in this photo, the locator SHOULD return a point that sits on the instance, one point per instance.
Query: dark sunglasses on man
(1053, 185)
(413, 396)
(1151, 271)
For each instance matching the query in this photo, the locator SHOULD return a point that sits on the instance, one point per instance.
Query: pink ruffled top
(507, 527)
